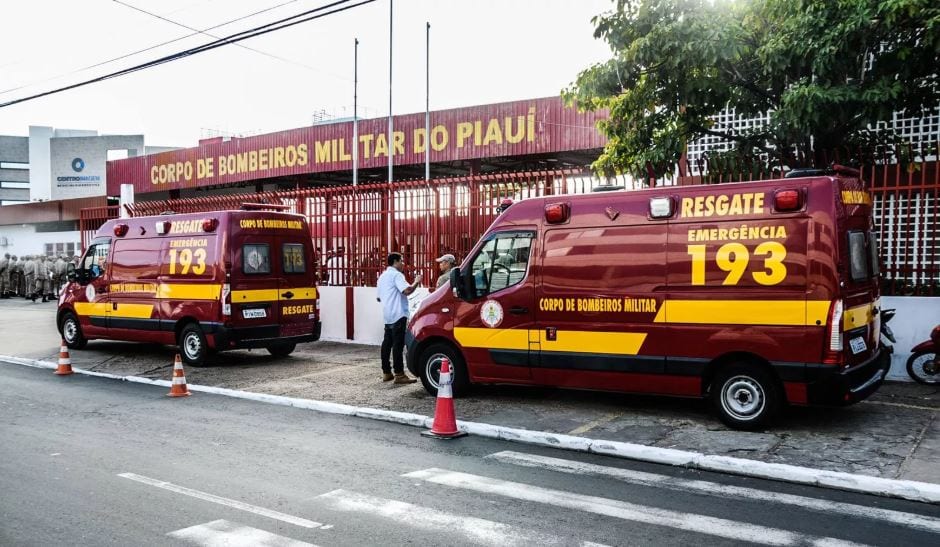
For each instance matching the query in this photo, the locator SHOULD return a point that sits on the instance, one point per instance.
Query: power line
(234, 38)
(243, 46)
(149, 48)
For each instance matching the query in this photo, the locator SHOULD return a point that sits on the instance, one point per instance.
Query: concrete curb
(903, 489)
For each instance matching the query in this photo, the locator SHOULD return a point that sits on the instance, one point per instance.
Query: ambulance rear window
(256, 258)
(293, 256)
(858, 257)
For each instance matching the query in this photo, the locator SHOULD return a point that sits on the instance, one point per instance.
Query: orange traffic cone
(445, 421)
(65, 362)
(178, 387)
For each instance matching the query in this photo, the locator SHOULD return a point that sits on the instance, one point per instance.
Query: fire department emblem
(90, 293)
(491, 313)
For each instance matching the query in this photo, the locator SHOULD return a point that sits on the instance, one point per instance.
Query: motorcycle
(924, 365)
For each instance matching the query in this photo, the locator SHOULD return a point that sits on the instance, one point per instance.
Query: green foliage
(824, 69)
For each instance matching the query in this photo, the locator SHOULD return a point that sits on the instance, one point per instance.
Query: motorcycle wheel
(923, 367)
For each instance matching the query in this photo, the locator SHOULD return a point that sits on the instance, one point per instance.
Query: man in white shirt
(393, 293)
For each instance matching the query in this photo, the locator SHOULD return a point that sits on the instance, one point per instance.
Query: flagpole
(355, 138)
(391, 146)
(353, 260)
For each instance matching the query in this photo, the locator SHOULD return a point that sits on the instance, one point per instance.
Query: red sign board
(519, 128)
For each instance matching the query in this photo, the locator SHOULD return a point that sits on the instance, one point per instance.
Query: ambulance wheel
(281, 349)
(72, 332)
(430, 369)
(192, 345)
(745, 396)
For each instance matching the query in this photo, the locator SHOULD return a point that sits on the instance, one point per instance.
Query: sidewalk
(895, 434)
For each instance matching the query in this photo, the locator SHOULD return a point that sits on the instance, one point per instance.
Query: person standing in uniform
(49, 270)
(40, 274)
(393, 293)
(445, 264)
(5, 276)
(29, 274)
(58, 278)
(16, 276)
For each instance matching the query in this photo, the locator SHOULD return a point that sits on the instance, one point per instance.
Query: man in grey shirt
(445, 263)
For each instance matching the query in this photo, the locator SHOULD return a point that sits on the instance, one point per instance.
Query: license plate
(858, 345)
(255, 313)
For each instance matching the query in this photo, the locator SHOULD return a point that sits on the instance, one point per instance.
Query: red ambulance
(754, 295)
(205, 282)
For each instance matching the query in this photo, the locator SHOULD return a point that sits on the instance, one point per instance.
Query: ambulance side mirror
(70, 272)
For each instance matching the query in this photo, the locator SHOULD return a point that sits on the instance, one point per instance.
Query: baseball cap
(447, 258)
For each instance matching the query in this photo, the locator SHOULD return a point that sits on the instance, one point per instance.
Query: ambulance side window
(501, 263)
(293, 256)
(256, 258)
(96, 259)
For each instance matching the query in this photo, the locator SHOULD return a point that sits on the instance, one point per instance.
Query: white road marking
(691, 522)
(222, 533)
(912, 520)
(235, 504)
(474, 530)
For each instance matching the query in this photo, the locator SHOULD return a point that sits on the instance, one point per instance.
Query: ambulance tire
(192, 345)
(746, 396)
(281, 349)
(72, 331)
(430, 367)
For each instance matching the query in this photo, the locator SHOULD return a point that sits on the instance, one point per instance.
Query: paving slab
(895, 434)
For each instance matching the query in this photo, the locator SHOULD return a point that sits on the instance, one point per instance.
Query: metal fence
(91, 218)
(350, 225)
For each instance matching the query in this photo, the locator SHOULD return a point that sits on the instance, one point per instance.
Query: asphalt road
(90, 461)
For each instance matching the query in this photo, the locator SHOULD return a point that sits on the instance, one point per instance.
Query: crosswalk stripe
(222, 533)
(235, 504)
(475, 530)
(911, 520)
(691, 522)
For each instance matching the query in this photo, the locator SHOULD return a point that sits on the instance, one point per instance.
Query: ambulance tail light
(226, 299)
(556, 213)
(210, 224)
(788, 200)
(120, 230)
(833, 354)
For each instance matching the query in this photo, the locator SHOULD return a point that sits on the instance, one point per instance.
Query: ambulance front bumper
(828, 385)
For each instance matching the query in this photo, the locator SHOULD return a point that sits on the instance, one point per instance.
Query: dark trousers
(394, 341)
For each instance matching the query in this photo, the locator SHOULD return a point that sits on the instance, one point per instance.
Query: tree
(823, 69)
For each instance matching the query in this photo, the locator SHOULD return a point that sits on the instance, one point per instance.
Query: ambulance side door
(601, 288)
(94, 310)
(493, 327)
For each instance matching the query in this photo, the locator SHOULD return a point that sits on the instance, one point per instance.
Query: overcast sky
(482, 51)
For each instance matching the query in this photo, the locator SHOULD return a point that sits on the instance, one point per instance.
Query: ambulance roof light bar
(264, 206)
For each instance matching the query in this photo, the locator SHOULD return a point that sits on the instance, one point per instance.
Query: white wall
(915, 317)
(333, 313)
(22, 240)
(368, 326)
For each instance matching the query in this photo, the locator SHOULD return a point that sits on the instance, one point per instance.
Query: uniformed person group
(32, 277)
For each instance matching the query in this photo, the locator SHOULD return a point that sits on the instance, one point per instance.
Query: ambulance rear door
(297, 296)
(255, 286)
